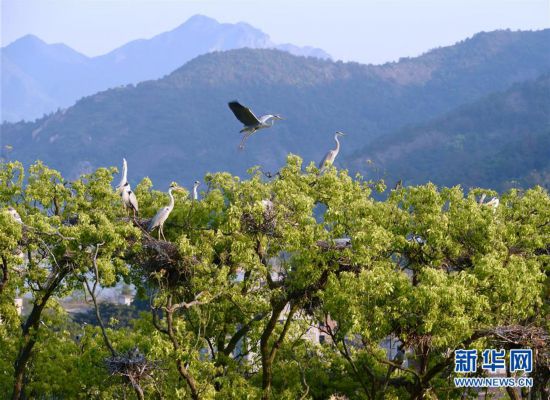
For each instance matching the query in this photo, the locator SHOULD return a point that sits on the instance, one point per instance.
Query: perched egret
(331, 155)
(196, 190)
(126, 194)
(15, 215)
(162, 214)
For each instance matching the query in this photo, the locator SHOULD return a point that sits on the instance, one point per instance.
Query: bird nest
(335, 244)
(533, 337)
(132, 365)
(417, 340)
(265, 225)
(162, 259)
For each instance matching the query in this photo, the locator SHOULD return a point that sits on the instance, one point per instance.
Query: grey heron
(15, 215)
(267, 205)
(162, 214)
(250, 121)
(416, 239)
(482, 199)
(196, 190)
(127, 195)
(494, 203)
(398, 185)
(331, 155)
(397, 362)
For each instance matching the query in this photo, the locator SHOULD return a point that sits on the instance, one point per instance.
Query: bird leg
(245, 136)
(160, 227)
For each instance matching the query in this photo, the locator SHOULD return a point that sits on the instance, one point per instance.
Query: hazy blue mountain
(38, 78)
(142, 60)
(500, 141)
(179, 127)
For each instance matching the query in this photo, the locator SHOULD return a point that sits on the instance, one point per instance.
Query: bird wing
(328, 158)
(156, 220)
(243, 113)
(133, 200)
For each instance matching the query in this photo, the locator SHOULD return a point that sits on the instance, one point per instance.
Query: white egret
(162, 214)
(126, 194)
(331, 155)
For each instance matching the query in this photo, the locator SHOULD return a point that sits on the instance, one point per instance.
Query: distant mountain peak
(26, 41)
(200, 18)
(198, 21)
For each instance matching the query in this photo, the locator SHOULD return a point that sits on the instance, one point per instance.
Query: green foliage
(242, 285)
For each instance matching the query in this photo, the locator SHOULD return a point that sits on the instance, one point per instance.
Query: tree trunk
(5, 275)
(267, 362)
(181, 367)
(269, 353)
(137, 388)
(32, 324)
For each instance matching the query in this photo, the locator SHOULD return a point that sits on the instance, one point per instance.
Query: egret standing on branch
(128, 197)
(331, 155)
(15, 215)
(162, 214)
(250, 121)
(195, 190)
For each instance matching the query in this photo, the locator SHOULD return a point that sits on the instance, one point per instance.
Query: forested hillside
(181, 124)
(502, 140)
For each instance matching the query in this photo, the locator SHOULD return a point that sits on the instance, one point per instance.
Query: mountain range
(179, 127)
(38, 78)
(499, 141)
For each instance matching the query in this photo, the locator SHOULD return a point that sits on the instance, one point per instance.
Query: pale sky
(368, 31)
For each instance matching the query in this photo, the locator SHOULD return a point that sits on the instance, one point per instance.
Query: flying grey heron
(127, 195)
(329, 158)
(15, 215)
(250, 121)
(162, 214)
(196, 190)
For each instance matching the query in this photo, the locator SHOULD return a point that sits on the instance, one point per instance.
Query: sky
(367, 31)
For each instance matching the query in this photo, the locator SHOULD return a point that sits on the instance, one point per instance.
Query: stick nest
(132, 364)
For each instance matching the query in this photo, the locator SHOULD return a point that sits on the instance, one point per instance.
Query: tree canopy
(254, 268)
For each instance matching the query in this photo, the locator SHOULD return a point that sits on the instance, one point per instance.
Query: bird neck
(337, 143)
(124, 178)
(195, 192)
(171, 205)
(269, 119)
